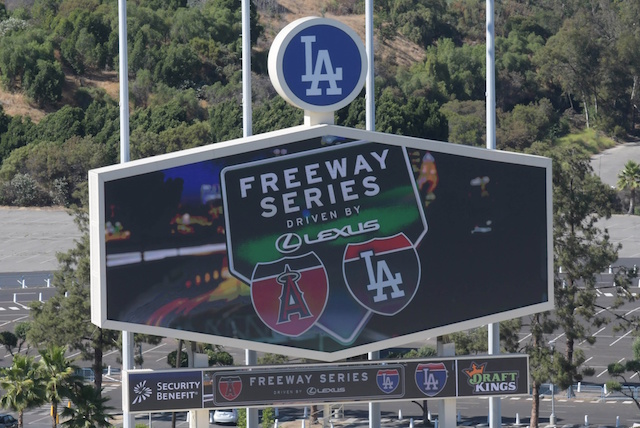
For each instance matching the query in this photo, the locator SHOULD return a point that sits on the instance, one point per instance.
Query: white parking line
(632, 310)
(606, 370)
(593, 335)
(524, 338)
(153, 349)
(620, 338)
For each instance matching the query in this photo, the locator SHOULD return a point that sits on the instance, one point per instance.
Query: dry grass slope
(392, 52)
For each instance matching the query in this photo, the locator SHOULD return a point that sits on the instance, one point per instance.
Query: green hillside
(561, 68)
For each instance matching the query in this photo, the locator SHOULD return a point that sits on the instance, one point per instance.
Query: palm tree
(629, 178)
(59, 374)
(23, 385)
(89, 409)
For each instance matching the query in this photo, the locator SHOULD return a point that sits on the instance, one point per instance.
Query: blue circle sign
(317, 64)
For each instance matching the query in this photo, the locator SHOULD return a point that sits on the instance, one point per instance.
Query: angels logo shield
(431, 378)
(290, 294)
(382, 274)
(388, 380)
(230, 387)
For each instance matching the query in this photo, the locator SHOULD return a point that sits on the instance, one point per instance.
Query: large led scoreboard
(320, 241)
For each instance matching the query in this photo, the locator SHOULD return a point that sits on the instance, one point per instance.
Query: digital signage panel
(394, 380)
(320, 242)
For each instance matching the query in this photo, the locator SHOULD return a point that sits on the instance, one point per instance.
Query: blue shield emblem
(431, 378)
(388, 380)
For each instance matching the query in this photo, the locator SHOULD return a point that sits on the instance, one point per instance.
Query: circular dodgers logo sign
(317, 64)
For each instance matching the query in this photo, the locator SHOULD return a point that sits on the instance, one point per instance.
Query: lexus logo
(288, 243)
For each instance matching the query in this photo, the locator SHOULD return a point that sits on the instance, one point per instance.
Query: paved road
(609, 163)
(31, 237)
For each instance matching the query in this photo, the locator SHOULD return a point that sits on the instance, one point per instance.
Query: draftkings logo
(483, 381)
(141, 392)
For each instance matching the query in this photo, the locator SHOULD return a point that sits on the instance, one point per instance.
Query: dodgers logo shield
(388, 380)
(230, 387)
(290, 294)
(382, 274)
(431, 378)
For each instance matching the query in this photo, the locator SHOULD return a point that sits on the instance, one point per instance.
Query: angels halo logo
(230, 387)
(290, 294)
(382, 274)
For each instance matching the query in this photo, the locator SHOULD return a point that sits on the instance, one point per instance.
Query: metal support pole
(369, 90)
(447, 406)
(374, 408)
(247, 130)
(552, 417)
(491, 78)
(128, 420)
(124, 81)
(370, 114)
(251, 359)
(495, 417)
(247, 116)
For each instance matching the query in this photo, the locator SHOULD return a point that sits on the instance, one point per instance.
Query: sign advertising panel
(219, 387)
(320, 242)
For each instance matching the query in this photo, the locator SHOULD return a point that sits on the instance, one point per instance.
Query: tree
(44, 84)
(59, 375)
(19, 131)
(476, 340)
(62, 125)
(20, 330)
(620, 381)
(629, 178)
(539, 359)
(524, 125)
(23, 386)
(65, 319)
(582, 250)
(88, 410)
(216, 355)
(467, 122)
(9, 341)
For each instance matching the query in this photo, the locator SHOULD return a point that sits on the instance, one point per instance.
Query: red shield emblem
(230, 387)
(290, 294)
(382, 274)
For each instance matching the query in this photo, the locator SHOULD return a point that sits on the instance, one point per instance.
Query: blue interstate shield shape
(388, 380)
(431, 378)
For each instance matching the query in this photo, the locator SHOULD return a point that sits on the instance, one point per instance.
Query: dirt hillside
(394, 52)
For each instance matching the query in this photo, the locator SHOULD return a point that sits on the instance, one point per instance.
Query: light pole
(552, 417)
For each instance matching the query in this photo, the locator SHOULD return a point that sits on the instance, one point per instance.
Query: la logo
(322, 72)
(382, 274)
